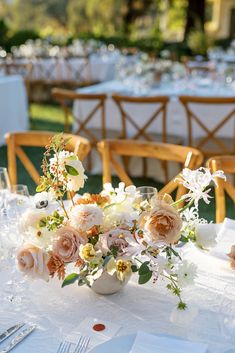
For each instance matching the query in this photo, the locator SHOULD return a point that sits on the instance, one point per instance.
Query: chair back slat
(111, 149)
(224, 187)
(15, 141)
(142, 130)
(210, 133)
(65, 97)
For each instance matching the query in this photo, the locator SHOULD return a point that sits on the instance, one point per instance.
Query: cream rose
(163, 223)
(84, 217)
(67, 243)
(32, 261)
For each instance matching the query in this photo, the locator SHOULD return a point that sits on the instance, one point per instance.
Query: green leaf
(134, 268)
(106, 260)
(144, 268)
(182, 305)
(145, 278)
(42, 222)
(93, 240)
(40, 188)
(71, 170)
(184, 239)
(70, 279)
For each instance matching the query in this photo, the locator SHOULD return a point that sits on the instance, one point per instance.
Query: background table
(13, 105)
(58, 311)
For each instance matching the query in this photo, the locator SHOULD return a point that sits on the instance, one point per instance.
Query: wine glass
(147, 192)
(227, 314)
(19, 199)
(4, 189)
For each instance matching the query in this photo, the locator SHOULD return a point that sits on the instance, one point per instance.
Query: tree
(134, 9)
(195, 17)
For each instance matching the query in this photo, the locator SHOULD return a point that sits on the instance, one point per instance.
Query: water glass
(18, 200)
(147, 193)
(4, 188)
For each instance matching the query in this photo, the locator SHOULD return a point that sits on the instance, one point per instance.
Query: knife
(10, 331)
(18, 339)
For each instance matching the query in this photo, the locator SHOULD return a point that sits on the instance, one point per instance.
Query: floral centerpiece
(114, 233)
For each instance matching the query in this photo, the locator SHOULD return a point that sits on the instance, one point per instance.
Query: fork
(64, 347)
(82, 344)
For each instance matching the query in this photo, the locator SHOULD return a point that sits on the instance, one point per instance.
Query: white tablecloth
(176, 119)
(95, 68)
(13, 105)
(58, 311)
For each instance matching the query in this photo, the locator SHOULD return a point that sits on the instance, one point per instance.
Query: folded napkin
(86, 328)
(147, 343)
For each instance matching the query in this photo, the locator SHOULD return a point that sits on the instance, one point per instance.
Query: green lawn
(50, 117)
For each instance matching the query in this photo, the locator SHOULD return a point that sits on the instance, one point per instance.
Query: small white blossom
(186, 273)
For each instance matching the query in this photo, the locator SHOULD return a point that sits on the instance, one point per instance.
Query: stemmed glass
(147, 193)
(17, 203)
(4, 189)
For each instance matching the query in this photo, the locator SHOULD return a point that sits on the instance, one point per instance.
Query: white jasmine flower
(84, 217)
(206, 235)
(186, 273)
(196, 181)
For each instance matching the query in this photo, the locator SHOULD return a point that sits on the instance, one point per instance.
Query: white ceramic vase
(107, 284)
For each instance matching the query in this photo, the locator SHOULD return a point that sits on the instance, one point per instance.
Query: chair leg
(165, 171)
(145, 167)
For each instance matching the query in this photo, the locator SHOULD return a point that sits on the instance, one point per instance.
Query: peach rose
(32, 261)
(232, 257)
(67, 243)
(163, 223)
(115, 238)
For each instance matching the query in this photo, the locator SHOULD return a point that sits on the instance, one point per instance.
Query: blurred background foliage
(150, 25)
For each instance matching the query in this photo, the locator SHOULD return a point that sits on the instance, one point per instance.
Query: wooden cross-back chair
(67, 97)
(227, 164)
(210, 144)
(142, 131)
(15, 141)
(111, 149)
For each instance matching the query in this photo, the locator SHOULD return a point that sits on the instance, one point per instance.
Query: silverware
(82, 344)
(64, 347)
(10, 331)
(18, 338)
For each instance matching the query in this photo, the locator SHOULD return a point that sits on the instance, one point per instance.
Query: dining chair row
(210, 144)
(112, 152)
